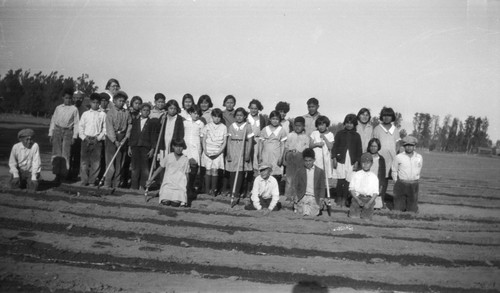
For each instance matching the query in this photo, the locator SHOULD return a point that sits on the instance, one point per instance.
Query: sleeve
(76, 122)
(81, 126)
(110, 130)
(275, 192)
(203, 131)
(36, 164)
(255, 194)
(129, 126)
(13, 162)
(53, 122)
(381, 168)
(374, 187)
(164, 161)
(354, 182)
(249, 130)
(335, 146)
(283, 135)
(394, 168)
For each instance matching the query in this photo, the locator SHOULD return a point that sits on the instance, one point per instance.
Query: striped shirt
(65, 117)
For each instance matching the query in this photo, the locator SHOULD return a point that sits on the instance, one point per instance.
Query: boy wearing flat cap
(265, 191)
(406, 169)
(24, 161)
(364, 189)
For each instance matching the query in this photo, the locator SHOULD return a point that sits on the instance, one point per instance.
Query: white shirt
(92, 124)
(25, 159)
(310, 181)
(364, 182)
(406, 167)
(266, 189)
(143, 122)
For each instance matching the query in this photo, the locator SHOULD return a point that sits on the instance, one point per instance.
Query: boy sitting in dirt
(265, 191)
(309, 186)
(364, 189)
(24, 161)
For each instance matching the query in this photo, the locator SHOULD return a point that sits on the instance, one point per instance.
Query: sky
(433, 56)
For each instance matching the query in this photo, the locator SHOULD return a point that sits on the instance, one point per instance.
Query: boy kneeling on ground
(265, 191)
(24, 161)
(309, 186)
(364, 189)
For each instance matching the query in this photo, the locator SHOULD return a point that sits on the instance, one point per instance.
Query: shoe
(166, 202)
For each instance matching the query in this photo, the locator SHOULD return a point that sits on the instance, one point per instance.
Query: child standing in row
(174, 127)
(239, 146)
(322, 143)
(272, 146)
(142, 146)
(345, 154)
(187, 102)
(228, 114)
(193, 128)
(296, 142)
(91, 131)
(205, 104)
(364, 189)
(257, 122)
(312, 115)
(173, 187)
(364, 128)
(159, 108)
(283, 108)
(214, 142)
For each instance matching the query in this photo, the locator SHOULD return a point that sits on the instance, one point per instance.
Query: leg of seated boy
(367, 210)
(355, 210)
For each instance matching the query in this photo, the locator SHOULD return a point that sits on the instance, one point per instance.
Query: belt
(65, 128)
(408, 181)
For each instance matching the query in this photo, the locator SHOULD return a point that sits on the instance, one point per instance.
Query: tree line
(23, 92)
(452, 135)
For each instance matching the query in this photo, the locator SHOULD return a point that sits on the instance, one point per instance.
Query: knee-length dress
(214, 134)
(192, 135)
(272, 140)
(174, 184)
(237, 136)
(388, 141)
(323, 152)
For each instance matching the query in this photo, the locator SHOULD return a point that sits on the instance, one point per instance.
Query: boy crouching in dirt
(364, 189)
(265, 191)
(24, 161)
(310, 186)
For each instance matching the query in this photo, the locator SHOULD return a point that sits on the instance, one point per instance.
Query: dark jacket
(381, 169)
(145, 138)
(347, 140)
(300, 183)
(178, 131)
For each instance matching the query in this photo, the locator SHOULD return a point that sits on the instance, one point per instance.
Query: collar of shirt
(312, 116)
(310, 169)
(275, 132)
(391, 130)
(235, 126)
(252, 120)
(119, 109)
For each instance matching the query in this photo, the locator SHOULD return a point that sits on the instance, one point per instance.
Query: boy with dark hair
(406, 169)
(91, 132)
(364, 189)
(118, 127)
(24, 161)
(312, 115)
(63, 132)
(296, 142)
(159, 108)
(309, 186)
(141, 148)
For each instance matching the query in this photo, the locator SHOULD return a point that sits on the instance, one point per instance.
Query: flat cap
(409, 140)
(264, 166)
(366, 157)
(25, 132)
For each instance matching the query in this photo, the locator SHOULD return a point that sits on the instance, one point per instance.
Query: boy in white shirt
(364, 189)
(265, 191)
(24, 161)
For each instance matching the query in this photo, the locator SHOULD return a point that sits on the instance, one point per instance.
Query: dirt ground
(70, 239)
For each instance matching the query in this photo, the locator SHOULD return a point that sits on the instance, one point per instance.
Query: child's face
(172, 110)
(298, 127)
(373, 148)
(204, 105)
(145, 112)
(160, 104)
(230, 104)
(254, 110)
(27, 141)
(366, 166)
(322, 127)
(349, 126)
(178, 150)
(94, 105)
(275, 121)
(386, 119)
(364, 118)
(283, 114)
(77, 101)
(194, 115)
(136, 105)
(119, 102)
(67, 99)
(409, 148)
(312, 108)
(265, 173)
(216, 119)
(188, 103)
(104, 104)
(239, 117)
(309, 162)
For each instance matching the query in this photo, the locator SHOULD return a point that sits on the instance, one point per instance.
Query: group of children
(199, 148)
